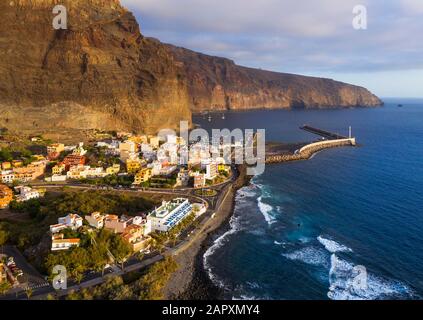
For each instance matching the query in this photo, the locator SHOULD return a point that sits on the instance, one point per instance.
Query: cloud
(414, 7)
(300, 17)
(291, 35)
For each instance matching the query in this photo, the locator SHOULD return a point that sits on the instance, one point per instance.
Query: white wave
(304, 239)
(246, 192)
(333, 246)
(266, 209)
(235, 226)
(350, 282)
(244, 297)
(309, 255)
(253, 285)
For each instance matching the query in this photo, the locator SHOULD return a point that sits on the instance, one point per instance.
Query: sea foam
(266, 209)
(309, 255)
(218, 243)
(333, 246)
(350, 282)
(242, 197)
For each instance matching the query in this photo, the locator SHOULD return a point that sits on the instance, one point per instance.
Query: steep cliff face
(99, 73)
(102, 73)
(217, 83)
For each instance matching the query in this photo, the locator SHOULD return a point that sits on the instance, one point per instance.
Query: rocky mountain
(102, 73)
(99, 73)
(218, 83)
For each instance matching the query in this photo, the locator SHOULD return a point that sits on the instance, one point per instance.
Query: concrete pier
(306, 152)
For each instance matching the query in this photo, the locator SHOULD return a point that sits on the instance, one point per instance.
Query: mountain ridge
(102, 73)
(249, 88)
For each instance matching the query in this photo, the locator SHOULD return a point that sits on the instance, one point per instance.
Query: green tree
(4, 287)
(78, 278)
(120, 249)
(122, 292)
(5, 155)
(73, 295)
(29, 292)
(150, 286)
(50, 297)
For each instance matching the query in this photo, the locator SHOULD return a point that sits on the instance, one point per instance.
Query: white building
(198, 152)
(59, 243)
(149, 156)
(211, 171)
(143, 222)
(79, 150)
(70, 148)
(170, 214)
(7, 176)
(171, 139)
(128, 146)
(161, 156)
(182, 178)
(83, 172)
(168, 170)
(112, 144)
(156, 168)
(96, 220)
(128, 150)
(58, 178)
(199, 209)
(211, 168)
(146, 148)
(26, 193)
(71, 221)
(112, 147)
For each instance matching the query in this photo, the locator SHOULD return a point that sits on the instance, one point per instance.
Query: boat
(210, 118)
(223, 116)
(400, 106)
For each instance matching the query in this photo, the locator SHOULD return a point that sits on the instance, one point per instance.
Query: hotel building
(170, 214)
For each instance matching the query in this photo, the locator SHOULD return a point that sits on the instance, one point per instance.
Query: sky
(309, 37)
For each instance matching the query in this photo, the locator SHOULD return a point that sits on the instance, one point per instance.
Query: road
(31, 278)
(98, 280)
(41, 288)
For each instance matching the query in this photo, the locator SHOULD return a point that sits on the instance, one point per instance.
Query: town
(40, 170)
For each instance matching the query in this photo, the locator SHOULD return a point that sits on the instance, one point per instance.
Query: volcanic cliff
(102, 73)
(217, 83)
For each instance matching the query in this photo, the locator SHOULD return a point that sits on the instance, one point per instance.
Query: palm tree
(28, 292)
(78, 277)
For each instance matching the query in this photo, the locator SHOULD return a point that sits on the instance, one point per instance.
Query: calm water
(300, 229)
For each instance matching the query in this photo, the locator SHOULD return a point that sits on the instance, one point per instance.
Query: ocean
(308, 230)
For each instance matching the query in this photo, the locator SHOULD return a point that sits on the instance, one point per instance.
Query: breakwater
(309, 150)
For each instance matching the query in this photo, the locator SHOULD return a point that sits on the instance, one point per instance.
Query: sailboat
(223, 116)
(210, 118)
